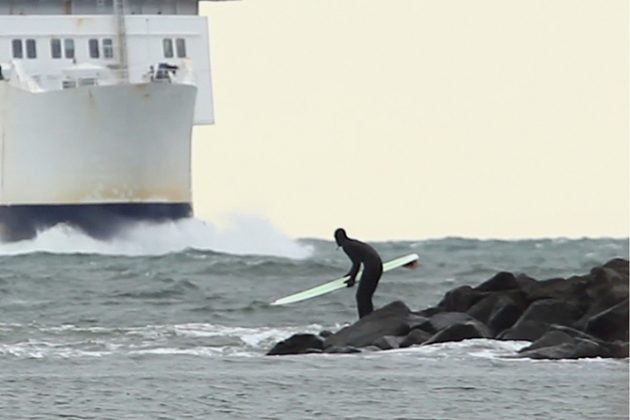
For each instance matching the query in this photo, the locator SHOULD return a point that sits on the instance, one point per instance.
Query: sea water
(173, 322)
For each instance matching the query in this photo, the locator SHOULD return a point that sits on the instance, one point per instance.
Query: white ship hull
(123, 149)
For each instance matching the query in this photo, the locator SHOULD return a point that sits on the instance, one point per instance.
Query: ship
(98, 99)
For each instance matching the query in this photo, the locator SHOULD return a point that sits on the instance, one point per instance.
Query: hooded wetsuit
(361, 253)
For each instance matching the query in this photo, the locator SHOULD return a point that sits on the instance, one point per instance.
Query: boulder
(459, 332)
(391, 319)
(460, 299)
(579, 348)
(341, 350)
(415, 336)
(388, 342)
(444, 320)
(482, 309)
(500, 282)
(504, 315)
(298, 344)
(526, 330)
(611, 324)
(539, 315)
(550, 339)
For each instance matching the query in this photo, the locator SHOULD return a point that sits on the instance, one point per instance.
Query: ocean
(173, 322)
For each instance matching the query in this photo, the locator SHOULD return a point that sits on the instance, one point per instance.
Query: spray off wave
(244, 235)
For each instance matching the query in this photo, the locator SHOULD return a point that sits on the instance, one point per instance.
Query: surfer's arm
(354, 270)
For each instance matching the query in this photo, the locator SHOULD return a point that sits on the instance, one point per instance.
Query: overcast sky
(411, 119)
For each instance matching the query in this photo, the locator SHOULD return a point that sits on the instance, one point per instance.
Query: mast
(120, 8)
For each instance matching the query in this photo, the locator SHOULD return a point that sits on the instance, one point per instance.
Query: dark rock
(525, 282)
(526, 330)
(551, 311)
(505, 314)
(549, 339)
(459, 332)
(501, 281)
(538, 317)
(341, 350)
(611, 324)
(416, 321)
(298, 344)
(388, 320)
(444, 320)
(429, 312)
(460, 299)
(579, 348)
(619, 265)
(415, 336)
(325, 333)
(388, 342)
(481, 310)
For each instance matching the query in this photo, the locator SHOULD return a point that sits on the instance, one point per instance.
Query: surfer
(361, 253)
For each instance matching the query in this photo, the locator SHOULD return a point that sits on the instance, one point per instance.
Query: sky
(418, 119)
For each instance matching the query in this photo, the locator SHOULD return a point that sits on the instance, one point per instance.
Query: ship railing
(170, 73)
(18, 77)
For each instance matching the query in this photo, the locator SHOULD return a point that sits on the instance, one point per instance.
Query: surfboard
(336, 284)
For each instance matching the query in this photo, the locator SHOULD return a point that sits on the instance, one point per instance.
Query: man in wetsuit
(361, 254)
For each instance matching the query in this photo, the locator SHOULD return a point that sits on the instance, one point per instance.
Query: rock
(325, 333)
(525, 282)
(578, 349)
(505, 314)
(428, 312)
(298, 344)
(388, 342)
(539, 315)
(549, 339)
(481, 310)
(459, 299)
(416, 321)
(526, 330)
(341, 350)
(388, 320)
(619, 265)
(501, 281)
(611, 324)
(459, 332)
(444, 320)
(415, 336)
(567, 342)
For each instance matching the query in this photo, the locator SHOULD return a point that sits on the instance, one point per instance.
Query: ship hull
(101, 221)
(94, 157)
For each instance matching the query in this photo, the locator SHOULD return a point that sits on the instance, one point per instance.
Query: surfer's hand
(350, 282)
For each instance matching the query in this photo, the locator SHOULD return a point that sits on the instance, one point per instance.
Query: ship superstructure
(97, 103)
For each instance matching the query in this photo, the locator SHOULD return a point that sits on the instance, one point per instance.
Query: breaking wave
(245, 235)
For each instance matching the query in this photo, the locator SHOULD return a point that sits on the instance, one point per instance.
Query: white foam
(243, 235)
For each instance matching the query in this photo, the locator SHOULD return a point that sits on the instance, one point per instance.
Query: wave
(245, 235)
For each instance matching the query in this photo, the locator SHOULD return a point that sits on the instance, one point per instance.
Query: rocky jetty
(580, 316)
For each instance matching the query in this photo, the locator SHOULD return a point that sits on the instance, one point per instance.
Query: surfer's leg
(367, 286)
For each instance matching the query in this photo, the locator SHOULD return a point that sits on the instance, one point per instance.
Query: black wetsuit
(361, 253)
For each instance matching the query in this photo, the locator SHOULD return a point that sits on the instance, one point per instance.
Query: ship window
(168, 48)
(94, 52)
(55, 48)
(88, 81)
(31, 48)
(17, 48)
(108, 48)
(68, 46)
(180, 43)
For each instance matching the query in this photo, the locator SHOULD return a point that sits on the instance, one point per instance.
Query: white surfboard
(340, 283)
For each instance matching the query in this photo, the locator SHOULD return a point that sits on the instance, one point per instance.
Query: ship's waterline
(101, 221)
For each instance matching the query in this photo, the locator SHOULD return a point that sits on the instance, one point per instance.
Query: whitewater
(173, 321)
